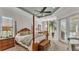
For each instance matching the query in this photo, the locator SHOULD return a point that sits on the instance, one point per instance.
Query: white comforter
(19, 38)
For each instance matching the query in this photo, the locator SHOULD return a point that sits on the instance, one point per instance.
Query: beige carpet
(16, 48)
(55, 46)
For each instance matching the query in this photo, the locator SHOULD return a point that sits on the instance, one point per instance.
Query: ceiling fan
(43, 12)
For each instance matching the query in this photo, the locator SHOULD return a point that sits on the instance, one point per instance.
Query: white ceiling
(34, 10)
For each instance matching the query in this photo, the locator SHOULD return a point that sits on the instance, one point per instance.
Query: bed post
(47, 30)
(33, 28)
(33, 44)
(15, 28)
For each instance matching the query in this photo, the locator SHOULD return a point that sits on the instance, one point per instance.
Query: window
(63, 29)
(73, 27)
(6, 27)
(69, 27)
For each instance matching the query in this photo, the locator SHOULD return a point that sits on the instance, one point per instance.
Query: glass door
(52, 28)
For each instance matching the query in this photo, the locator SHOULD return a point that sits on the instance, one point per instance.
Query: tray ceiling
(39, 11)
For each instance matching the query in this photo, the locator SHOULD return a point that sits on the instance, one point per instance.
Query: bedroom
(38, 28)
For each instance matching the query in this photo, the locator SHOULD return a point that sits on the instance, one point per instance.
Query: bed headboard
(24, 30)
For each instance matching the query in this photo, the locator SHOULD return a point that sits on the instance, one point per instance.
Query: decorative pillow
(23, 33)
(29, 32)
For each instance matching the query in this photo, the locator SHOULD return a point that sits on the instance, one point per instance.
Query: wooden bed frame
(34, 45)
(24, 30)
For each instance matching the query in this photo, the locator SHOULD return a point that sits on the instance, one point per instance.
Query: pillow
(38, 35)
(29, 32)
(23, 33)
(27, 40)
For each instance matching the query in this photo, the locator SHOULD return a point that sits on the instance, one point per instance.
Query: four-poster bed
(32, 41)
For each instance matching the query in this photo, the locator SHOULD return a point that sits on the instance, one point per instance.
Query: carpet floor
(16, 48)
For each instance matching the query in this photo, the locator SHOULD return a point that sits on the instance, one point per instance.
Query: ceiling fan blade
(43, 9)
(47, 12)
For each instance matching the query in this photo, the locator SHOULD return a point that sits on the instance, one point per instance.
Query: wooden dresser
(6, 43)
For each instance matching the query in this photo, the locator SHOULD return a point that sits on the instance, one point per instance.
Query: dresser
(6, 43)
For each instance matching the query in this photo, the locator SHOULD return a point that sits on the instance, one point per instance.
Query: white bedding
(28, 47)
(38, 39)
(19, 38)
